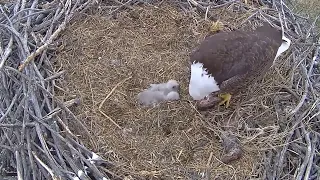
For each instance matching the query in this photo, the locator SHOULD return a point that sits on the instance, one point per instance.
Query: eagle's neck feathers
(202, 83)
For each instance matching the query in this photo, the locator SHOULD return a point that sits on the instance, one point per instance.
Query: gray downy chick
(171, 85)
(150, 98)
(172, 96)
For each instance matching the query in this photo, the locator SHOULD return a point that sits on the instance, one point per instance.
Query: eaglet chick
(158, 93)
(171, 85)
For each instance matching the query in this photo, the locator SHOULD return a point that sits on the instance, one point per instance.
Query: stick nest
(113, 50)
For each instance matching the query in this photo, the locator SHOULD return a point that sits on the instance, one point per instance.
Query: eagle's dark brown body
(237, 58)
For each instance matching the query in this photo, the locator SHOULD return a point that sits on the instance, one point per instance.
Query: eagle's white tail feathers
(284, 46)
(286, 41)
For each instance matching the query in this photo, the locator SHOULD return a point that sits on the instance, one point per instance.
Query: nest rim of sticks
(283, 134)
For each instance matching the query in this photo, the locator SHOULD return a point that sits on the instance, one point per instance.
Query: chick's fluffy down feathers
(171, 85)
(172, 96)
(149, 98)
(158, 93)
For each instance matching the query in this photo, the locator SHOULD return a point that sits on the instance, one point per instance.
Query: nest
(99, 57)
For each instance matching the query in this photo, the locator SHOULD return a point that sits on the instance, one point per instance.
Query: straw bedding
(151, 45)
(71, 70)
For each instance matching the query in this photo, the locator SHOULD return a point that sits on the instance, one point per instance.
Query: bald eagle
(226, 62)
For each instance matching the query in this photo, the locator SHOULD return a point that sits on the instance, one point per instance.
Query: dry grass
(152, 45)
(307, 8)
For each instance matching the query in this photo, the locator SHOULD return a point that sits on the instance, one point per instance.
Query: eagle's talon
(216, 27)
(226, 99)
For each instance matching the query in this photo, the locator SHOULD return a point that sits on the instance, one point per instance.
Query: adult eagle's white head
(201, 83)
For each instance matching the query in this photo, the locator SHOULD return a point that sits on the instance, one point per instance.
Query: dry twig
(32, 139)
